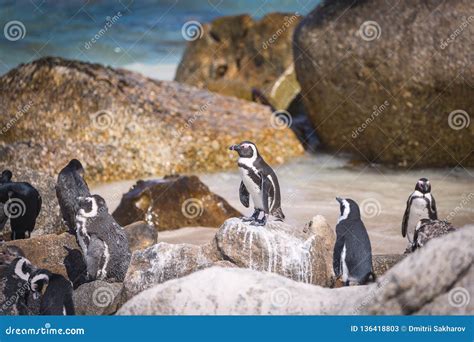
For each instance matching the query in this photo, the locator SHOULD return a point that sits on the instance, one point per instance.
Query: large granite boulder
(173, 202)
(237, 53)
(165, 261)
(49, 220)
(122, 125)
(279, 248)
(436, 279)
(390, 81)
(97, 298)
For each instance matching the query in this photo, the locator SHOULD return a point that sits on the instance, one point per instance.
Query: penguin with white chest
(260, 182)
(352, 258)
(420, 205)
(103, 241)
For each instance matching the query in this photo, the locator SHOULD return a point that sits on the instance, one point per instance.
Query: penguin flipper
(267, 197)
(95, 252)
(434, 212)
(405, 217)
(244, 195)
(336, 258)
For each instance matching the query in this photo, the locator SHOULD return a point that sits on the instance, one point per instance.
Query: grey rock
(97, 298)
(140, 235)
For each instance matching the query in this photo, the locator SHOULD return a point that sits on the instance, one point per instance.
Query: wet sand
(310, 184)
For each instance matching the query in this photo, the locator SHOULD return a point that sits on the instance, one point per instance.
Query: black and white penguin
(5, 177)
(21, 203)
(55, 293)
(258, 181)
(103, 241)
(15, 287)
(69, 187)
(420, 205)
(428, 229)
(352, 258)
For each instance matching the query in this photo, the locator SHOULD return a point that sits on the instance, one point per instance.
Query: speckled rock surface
(380, 79)
(165, 261)
(280, 248)
(97, 298)
(236, 53)
(173, 202)
(140, 235)
(122, 125)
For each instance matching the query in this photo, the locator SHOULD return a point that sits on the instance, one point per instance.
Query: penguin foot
(247, 219)
(261, 222)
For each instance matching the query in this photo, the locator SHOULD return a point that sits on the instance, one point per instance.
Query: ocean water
(144, 36)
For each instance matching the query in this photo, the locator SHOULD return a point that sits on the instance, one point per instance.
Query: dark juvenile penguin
(260, 182)
(69, 187)
(22, 205)
(103, 241)
(427, 229)
(352, 258)
(420, 205)
(55, 293)
(5, 177)
(15, 287)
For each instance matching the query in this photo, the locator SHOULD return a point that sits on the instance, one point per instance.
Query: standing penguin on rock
(69, 187)
(103, 241)
(420, 205)
(258, 181)
(352, 258)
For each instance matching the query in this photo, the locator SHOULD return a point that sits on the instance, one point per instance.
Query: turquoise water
(134, 33)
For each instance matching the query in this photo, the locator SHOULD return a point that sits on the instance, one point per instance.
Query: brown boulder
(238, 53)
(123, 125)
(140, 235)
(173, 202)
(386, 81)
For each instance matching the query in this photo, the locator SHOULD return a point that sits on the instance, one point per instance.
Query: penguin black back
(352, 258)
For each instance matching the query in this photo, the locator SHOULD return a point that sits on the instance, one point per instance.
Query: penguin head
(245, 149)
(349, 209)
(22, 268)
(91, 206)
(39, 280)
(75, 165)
(423, 185)
(6, 176)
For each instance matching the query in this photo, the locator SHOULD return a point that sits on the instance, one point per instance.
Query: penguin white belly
(253, 189)
(418, 211)
(345, 269)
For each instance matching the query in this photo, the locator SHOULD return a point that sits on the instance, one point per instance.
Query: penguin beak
(339, 199)
(234, 147)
